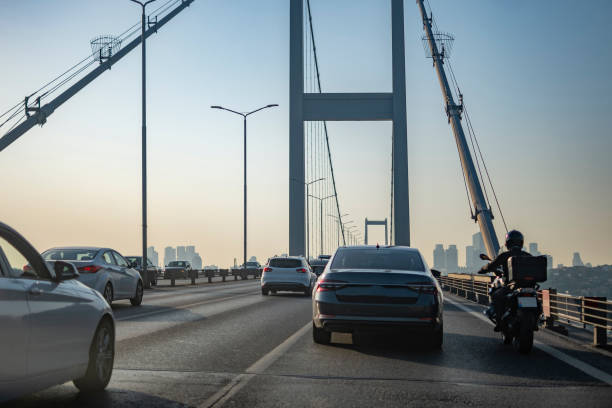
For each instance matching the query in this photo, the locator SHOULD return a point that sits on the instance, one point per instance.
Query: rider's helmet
(514, 238)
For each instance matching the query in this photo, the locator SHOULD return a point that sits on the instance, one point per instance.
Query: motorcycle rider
(514, 244)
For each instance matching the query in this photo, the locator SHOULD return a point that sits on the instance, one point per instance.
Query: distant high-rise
(549, 262)
(576, 260)
(452, 263)
(181, 253)
(478, 243)
(533, 249)
(196, 262)
(470, 257)
(153, 255)
(169, 255)
(439, 257)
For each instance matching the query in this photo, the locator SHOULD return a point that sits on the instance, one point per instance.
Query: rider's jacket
(502, 260)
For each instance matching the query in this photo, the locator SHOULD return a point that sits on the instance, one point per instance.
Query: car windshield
(387, 259)
(252, 264)
(285, 263)
(178, 263)
(70, 254)
(135, 259)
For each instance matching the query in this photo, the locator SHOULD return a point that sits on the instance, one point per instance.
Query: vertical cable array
(323, 215)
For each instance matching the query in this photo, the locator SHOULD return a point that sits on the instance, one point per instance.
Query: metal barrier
(209, 274)
(585, 310)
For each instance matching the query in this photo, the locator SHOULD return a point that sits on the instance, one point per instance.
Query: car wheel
(273, 292)
(137, 299)
(507, 338)
(101, 359)
(307, 292)
(108, 293)
(437, 338)
(320, 336)
(264, 292)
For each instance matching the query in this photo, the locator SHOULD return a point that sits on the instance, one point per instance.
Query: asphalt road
(226, 345)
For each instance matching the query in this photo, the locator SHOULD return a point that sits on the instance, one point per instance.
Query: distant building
(169, 255)
(181, 253)
(576, 260)
(153, 255)
(452, 260)
(439, 257)
(196, 261)
(533, 249)
(549, 262)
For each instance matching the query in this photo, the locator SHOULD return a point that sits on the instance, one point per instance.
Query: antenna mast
(483, 214)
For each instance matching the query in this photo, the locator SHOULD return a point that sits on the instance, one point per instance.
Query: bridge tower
(345, 107)
(376, 222)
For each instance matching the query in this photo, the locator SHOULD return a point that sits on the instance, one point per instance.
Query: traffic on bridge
(329, 316)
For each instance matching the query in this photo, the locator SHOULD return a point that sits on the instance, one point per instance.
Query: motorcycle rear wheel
(523, 343)
(507, 338)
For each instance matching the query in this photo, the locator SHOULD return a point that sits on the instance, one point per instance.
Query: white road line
(574, 362)
(171, 309)
(238, 382)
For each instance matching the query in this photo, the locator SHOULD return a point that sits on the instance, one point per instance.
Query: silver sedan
(54, 328)
(104, 270)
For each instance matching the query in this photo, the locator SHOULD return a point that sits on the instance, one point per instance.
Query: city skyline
(195, 156)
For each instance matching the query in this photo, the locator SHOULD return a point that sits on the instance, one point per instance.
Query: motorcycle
(522, 313)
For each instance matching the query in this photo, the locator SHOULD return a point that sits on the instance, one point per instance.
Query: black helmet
(514, 238)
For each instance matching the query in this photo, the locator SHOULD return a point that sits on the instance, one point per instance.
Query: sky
(535, 78)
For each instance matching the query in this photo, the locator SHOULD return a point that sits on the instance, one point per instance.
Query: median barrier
(223, 273)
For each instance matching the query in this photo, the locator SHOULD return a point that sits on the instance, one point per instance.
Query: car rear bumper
(284, 286)
(350, 324)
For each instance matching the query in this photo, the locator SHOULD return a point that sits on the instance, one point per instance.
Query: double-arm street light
(244, 116)
(143, 264)
(307, 184)
(339, 221)
(321, 215)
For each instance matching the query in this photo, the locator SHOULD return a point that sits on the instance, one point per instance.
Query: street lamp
(307, 184)
(143, 264)
(244, 116)
(321, 215)
(339, 220)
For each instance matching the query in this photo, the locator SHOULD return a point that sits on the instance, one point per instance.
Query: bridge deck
(227, 343)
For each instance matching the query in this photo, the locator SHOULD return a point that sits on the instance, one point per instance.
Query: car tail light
(303, 270)
(329, 285)
(430, 290)
(267, 269)
(89, 269)
(527, 294)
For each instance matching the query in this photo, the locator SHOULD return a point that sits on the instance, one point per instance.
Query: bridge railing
(195, 274)
(595, 312)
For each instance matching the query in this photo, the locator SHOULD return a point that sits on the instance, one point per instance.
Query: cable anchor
(41, 118)
(152, 23)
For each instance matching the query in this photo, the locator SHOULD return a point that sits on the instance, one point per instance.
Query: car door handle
(35, 291)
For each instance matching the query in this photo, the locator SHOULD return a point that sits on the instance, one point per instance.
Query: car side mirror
(436, 273)
(64, 271)
(484, 257)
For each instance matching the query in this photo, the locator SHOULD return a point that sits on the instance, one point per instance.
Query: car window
(62, 254)
(17, 264)
(387, 259)
(120, 260)
(108, 258)
(285, 263)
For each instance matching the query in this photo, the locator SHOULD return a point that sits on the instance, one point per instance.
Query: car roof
(79, 247)
(286, 257)
(393, 247)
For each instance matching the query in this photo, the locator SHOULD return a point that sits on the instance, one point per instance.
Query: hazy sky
(535, 75)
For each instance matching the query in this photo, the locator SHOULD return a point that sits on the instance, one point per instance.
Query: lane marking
(572, 361)
(183, 307)
(258, 367)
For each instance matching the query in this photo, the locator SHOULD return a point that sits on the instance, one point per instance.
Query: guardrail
(209, 274)
(586, 310)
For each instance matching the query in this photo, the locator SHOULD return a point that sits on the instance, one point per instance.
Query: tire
(523, 343)
(108, 293)
(320, 336)
(307, 292)
(137, 299)
(507, 338)
(264, 292)
(101, 359)
(437, 338)
(273, 292)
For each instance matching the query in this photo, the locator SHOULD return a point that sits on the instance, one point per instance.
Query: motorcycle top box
(527, 270)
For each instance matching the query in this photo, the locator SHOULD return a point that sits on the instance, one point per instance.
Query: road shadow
(61, 397)
(150, 313)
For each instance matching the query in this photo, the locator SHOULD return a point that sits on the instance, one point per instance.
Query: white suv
(288, 273)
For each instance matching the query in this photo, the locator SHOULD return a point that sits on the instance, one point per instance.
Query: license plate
(527, 302)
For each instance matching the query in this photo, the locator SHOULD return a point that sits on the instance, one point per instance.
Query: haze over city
(538, 97)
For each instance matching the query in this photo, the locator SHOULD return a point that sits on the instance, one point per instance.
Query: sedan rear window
(70, 255)
(386, 259)
(285, 263)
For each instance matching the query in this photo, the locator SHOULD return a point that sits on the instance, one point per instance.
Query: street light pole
(244, 117)
(143, 264)
(321, 216)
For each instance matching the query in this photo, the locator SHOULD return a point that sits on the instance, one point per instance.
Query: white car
(287, 273)
(53, 328)
(103, 269)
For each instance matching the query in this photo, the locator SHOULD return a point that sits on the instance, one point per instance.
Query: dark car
(153, 271)
(318, 265)
(370, 288)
